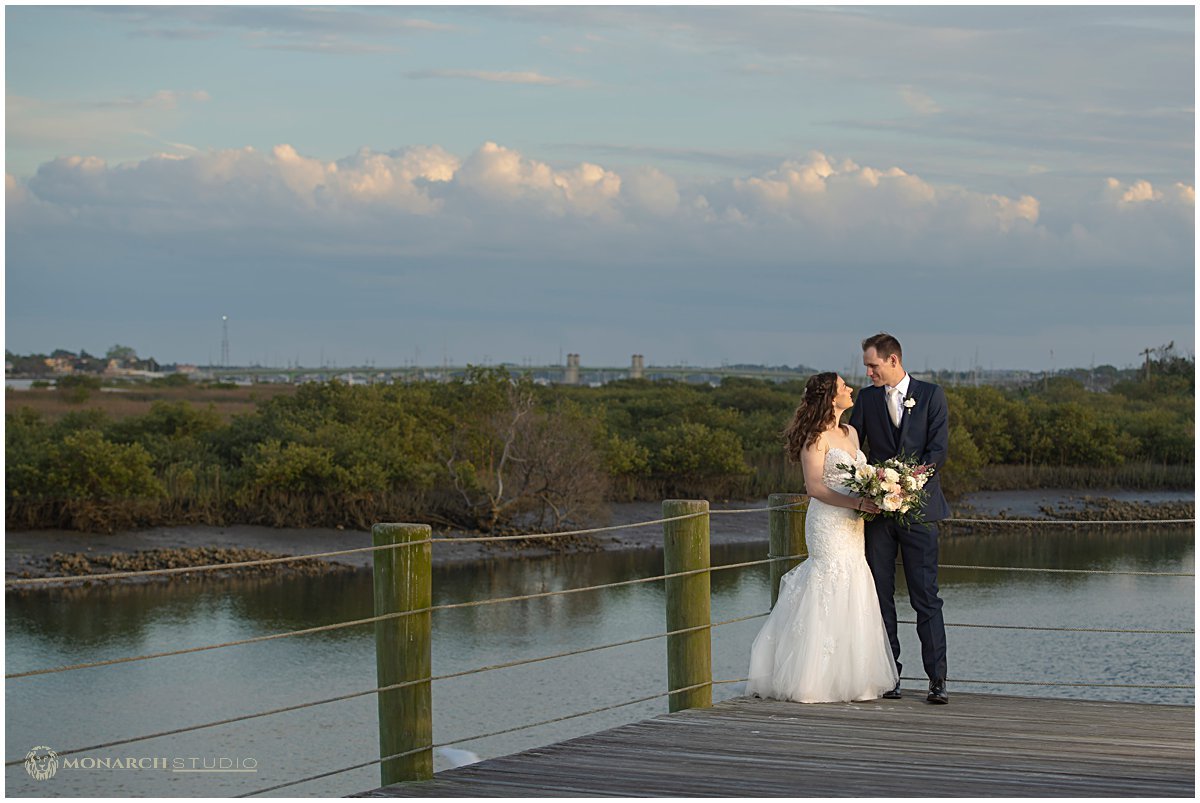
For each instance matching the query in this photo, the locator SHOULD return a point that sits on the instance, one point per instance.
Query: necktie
(893, 399)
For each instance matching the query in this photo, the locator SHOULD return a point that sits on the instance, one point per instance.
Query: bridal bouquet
(896, 486)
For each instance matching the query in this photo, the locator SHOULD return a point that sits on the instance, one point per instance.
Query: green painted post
(787, 536)
(402, 651)
(689, 655)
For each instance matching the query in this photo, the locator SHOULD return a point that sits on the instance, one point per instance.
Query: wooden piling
(689, 655)
(402, 651)
(787, 536)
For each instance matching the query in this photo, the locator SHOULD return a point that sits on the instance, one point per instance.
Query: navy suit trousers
(918, 547)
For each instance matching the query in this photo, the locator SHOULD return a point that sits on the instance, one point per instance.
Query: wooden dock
(980, 745)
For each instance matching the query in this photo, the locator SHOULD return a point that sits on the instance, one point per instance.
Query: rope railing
(393, 687)
(384, 617)
(237, 643)
(1076, 522)
(27, 581)
(542, 594)
(1066, 683)
(474, 739)
(1047, 628)
(369, 620)
(208, 567)
(581, 651)
(1065, 571)
(1031, 683)
(33, 581)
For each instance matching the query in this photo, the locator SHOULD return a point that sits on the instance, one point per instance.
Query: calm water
(93, 706)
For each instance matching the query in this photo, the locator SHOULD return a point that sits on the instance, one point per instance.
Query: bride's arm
(812, 461)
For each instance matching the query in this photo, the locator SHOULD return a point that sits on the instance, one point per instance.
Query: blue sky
(698, 184)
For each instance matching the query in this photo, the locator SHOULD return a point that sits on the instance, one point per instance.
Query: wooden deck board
(978, 746)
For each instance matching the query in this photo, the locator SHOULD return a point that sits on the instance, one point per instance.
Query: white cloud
(242, 189)
(1008, 211)
(91, 123)
(324, 44)
(1140, 193)
(502, 175)
(14, 191)
(396, 181)
(840, 199)
(162, 99)
(918, 101)
(499, 77)
(648, 189)
(815, 210)
(193, 22)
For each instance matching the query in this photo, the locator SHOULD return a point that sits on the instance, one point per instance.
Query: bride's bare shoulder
(819, 446)
(853, 433)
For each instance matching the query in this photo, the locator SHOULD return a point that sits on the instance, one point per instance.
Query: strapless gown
(825, 641)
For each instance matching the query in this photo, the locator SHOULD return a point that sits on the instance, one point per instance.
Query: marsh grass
(137, 400)
(773, 474)
(1130, 476)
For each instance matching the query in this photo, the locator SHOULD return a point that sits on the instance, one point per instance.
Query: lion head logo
(41, 763)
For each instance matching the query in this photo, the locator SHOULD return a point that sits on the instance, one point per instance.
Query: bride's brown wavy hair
(813, 416)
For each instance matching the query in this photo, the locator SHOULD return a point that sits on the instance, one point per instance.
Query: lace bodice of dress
(834, 533)
(834, 476)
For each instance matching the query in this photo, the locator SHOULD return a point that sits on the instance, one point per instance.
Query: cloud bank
(500, 252)
(811, 210)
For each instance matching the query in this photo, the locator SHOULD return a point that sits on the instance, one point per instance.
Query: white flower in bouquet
(894, 485)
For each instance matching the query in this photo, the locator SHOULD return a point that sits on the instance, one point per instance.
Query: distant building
(637, 369)
(61, 365)
(571, 374)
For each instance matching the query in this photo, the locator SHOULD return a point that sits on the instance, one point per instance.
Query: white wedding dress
(824, 641)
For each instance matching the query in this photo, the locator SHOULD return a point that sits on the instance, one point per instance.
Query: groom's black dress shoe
(894, 694)
(937, 692)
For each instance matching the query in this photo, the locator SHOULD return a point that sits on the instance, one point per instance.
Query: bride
(824, 640)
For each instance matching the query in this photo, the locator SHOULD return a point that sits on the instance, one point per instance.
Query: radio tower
(224, 341)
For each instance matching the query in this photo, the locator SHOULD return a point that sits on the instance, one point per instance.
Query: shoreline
(28, 553)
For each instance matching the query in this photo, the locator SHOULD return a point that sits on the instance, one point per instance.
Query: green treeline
(494, 452)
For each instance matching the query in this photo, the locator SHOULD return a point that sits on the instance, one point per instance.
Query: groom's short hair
(884, 344)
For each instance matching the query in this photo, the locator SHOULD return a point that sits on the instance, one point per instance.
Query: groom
(902, 416)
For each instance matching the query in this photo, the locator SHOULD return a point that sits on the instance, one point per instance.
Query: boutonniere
(909, 404)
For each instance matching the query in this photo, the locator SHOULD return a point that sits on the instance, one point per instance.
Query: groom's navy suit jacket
(924, 434)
